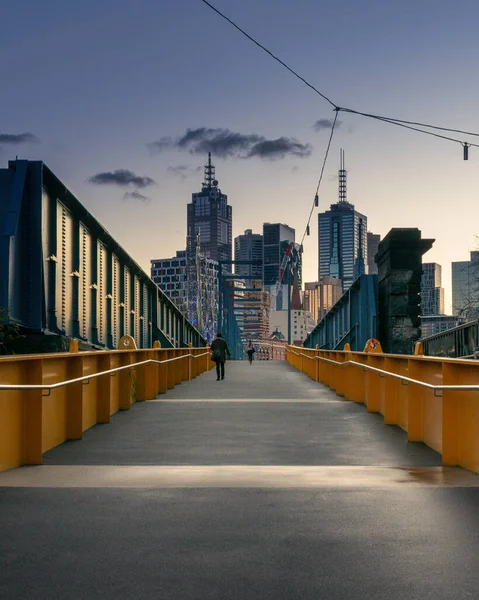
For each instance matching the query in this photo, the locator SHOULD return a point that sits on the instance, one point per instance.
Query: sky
(123, 99)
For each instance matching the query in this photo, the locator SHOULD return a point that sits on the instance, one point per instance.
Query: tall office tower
(277, 238)
(432, 294)
(343, 242)
(373, 243)
(210, 217)
(465, 287)
(320, 296)
(249, 247)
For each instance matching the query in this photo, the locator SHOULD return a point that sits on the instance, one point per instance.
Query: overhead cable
(320, 177)
(270, 53)
(394, 121)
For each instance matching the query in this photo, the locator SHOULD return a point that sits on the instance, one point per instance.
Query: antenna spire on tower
(342, 178)
(210, 179)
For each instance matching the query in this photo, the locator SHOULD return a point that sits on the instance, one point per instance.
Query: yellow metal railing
(82, 389)
(435, 400)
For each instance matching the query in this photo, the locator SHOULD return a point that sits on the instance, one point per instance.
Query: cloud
(280, 148)
(183, 171)
(225, 143)
(122, 178)
(14, 139)
(321, 124)
(135, 195)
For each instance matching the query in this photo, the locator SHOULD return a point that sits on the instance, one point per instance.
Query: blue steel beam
(63, 273)
(353, 319)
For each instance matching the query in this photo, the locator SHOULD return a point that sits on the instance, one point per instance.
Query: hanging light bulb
(316, 200)
(466, 150)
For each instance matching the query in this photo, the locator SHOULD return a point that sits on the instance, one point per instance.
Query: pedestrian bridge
(273, 483)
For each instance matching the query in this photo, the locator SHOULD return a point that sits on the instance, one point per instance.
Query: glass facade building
(342, 244)
(276, 239)
(465, 287)
(249, 247)
(320, 296)
(432, 294)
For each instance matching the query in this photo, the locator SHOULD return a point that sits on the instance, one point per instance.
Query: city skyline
(128, 135)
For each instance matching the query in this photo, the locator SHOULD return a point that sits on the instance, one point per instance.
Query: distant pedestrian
(250, 350)
(220, 350)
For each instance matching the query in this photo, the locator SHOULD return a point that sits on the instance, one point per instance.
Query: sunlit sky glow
(99, 83)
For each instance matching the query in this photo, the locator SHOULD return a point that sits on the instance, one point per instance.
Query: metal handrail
(438, 388)
(53, 386)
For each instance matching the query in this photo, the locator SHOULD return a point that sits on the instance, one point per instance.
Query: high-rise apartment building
(432, 294)
(373, 243)
(249, 247)
(210, 217)
(193, 290)
(342, 240)
(169, 274)
(320, 296)
(465, 287)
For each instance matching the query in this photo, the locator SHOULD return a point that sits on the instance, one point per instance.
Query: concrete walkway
(265, 485)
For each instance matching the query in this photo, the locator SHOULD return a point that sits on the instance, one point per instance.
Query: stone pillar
(399, 261)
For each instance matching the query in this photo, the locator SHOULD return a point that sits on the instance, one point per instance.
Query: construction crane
(282, 269)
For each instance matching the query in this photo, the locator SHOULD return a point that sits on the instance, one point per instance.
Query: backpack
(216, 355)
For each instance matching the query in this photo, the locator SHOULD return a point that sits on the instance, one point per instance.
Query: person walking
(220, 350)
(250, 350)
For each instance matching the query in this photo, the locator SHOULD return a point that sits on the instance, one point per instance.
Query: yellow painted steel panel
(54, 414)
(468, 426)
(115, 386)
(12, 427)
(90, 391)
(54, 419)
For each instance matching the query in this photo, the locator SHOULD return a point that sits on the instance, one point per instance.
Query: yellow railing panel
(54, 406)
(33, 421)
(444, 419)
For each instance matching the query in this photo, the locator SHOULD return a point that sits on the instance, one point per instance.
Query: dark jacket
(221, 345)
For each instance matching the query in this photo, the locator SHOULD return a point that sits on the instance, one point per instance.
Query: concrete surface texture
(264, 485)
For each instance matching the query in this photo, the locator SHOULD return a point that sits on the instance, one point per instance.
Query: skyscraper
(276, 239)
(249, 247)
(343, 242)
(465, 287)
(210, 217)
(432, 294)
